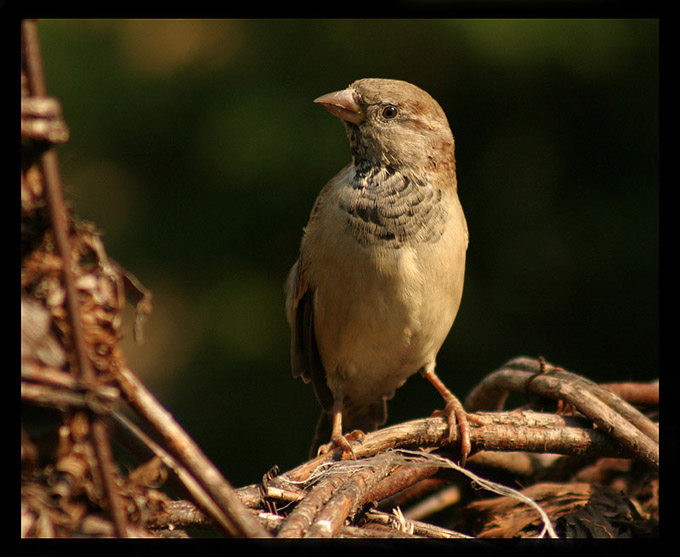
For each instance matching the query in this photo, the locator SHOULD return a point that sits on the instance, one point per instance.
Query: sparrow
(379, 278)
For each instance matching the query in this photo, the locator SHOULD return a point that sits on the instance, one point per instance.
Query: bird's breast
(388, 209)
(387, 278)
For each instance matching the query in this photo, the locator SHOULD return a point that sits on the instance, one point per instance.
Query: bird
(379, 278)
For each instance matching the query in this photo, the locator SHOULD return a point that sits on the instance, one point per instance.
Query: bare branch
(234, 517)
(617, 418)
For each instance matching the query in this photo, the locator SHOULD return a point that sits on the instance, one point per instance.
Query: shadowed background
(196, 148)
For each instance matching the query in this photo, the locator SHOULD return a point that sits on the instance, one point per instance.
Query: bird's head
(392, 122)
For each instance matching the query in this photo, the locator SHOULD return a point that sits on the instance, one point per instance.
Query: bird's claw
(342, 442)
(456, 416)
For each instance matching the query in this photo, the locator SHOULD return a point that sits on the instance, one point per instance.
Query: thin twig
(46, 395)
(192, 486)
(415, 527)
(234, 518)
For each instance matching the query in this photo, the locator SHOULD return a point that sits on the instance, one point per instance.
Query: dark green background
(196, 147)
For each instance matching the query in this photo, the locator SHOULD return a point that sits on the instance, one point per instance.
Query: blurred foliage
(196, 148)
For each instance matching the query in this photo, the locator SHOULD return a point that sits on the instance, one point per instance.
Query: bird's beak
(343, 104)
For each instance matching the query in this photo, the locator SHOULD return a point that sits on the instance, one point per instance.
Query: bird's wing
(305, 358)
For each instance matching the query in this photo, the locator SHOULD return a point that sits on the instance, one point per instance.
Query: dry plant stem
(616, 403)
(57, 389)
(300, 520)
(635, 393)
(239, 522)
(434, 503)
(378, 531)
(418, 528)
(53, 377)
(555, 440)
(46, 395)
(180, 514)
(398, 479)
(254, 496)
(347, 498)
(190, 484)
(57, 209)
(517, 464)
(273, 522)
(642, 442)
(401, 478)
(629, 427)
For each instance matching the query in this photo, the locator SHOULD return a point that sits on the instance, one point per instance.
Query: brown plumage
(379, 279)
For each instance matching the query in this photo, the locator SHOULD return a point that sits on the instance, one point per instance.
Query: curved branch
(623, 423)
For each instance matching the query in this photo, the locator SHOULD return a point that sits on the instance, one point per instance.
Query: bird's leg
(337, 438)
(455, 413)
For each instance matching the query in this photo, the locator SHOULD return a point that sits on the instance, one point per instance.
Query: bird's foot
(342, 442)
(456, 415)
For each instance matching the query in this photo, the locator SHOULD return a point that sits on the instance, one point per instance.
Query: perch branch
(498, 431)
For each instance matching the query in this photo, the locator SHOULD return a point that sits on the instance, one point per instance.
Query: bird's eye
(389, 111)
